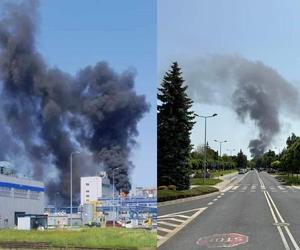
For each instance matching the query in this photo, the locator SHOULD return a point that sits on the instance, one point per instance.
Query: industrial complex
(22, 204)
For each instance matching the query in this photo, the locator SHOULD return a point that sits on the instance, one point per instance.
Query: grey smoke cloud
(46, 113)
(251, 88)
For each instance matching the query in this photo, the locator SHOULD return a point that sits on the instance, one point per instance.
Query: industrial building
(128, 208)
(94, 187)
(18, 196)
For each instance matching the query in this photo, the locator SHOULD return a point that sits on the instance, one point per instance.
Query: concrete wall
(19, 195)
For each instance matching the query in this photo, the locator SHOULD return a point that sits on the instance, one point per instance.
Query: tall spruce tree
(175, 122)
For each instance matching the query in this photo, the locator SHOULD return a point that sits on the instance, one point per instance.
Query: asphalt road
(257, 213)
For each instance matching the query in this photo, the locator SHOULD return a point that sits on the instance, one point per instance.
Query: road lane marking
(177, 220)
(210, 203)
(183, 212)
(182, 216)
(236, 187)
(226, 189)
(270, 203)
(215, 199)
(167, 224)
(161, 239)
(281, 188)
(285, 227)
(243, 177)
(164, 230)
(219, 196)
(286, 246)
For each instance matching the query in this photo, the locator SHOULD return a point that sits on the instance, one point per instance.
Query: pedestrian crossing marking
(243, 188)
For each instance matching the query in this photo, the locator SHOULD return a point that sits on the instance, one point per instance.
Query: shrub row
(167, 195)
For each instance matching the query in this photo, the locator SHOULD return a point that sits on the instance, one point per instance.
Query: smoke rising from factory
(46, 114)
(251, 88)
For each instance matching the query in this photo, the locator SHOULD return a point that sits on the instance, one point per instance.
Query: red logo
(223, 240)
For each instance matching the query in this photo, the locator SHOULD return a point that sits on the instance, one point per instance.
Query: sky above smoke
(46, 113)
(252, 89)
(239, 43)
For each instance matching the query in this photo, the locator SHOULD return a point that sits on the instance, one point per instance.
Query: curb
(166, 203)
(297, 187)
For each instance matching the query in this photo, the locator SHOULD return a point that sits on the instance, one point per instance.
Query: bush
(172, 187)
(162, 188)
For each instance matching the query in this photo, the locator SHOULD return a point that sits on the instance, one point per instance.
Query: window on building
(87, 191)
(87, 195)
(87, 184)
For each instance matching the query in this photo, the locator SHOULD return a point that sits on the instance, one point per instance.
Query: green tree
(174, 125)
(291, 140)
(241, 160)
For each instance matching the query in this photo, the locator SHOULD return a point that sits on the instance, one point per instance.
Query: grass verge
(110, 238)
(167, 195)
(288, 180)
(223, 172)
(205, 182)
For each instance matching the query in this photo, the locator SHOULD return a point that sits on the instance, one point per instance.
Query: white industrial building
(94, 187)
(18, 196)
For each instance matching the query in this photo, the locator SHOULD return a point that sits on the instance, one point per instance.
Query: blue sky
(257, 30)
(74, 34)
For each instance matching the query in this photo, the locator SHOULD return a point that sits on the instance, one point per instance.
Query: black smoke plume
(46, 114)
(251, 88)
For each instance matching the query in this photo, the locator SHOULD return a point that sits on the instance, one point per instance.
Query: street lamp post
(71, 187)
(114, 196)
(220, 142)
(57, 193)
(231, 150)
(205, 117)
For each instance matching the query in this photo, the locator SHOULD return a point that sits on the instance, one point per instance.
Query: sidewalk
(296, 186)
(227, 180)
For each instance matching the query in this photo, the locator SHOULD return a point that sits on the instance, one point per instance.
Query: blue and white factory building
(18, 196)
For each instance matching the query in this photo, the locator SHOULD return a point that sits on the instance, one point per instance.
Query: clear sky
(74, 34)
(257, 30)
